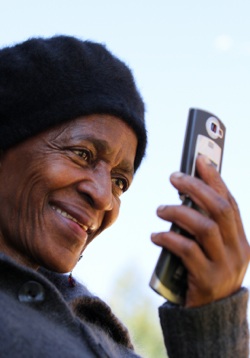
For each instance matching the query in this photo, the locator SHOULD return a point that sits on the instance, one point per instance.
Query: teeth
(66, 215)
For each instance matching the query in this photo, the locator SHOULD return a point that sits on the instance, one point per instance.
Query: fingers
(211, 177)
(218, 255)
(188, 250)
(204, 230)
(214, 199)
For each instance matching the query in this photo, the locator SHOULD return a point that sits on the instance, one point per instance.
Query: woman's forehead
(99, 125)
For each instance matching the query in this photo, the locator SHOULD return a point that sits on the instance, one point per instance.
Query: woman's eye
(121, 184)
(83, 153)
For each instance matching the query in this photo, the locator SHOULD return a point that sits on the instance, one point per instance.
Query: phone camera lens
(213, 127)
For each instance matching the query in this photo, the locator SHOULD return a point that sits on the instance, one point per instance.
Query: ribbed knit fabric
(45, 82)
(217, 330)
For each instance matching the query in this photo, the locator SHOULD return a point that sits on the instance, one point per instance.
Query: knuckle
(223, 207)
(236, 268)
(242, 256)
(244, 260)
(189, 248)
(209, 227)
(232, 201)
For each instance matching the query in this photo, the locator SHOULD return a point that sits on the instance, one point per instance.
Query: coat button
(31, 291)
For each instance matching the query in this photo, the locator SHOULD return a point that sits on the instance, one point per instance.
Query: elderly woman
(72, 136)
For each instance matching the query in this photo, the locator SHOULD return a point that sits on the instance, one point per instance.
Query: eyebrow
(102, 146)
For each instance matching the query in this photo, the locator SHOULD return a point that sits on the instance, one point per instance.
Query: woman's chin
(60, 265)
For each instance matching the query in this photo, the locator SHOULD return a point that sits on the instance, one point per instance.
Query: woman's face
(61, 188)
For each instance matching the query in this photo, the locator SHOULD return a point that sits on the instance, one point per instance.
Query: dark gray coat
(41, 316)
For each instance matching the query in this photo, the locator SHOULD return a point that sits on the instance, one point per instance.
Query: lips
(70, 217)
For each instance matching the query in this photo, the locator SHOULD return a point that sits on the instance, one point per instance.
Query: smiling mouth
(70, 217)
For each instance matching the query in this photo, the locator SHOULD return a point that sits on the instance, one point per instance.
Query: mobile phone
(205, 134)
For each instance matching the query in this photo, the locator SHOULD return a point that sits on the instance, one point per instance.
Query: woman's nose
(97, 186)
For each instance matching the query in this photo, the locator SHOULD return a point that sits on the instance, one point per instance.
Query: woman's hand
(218, 258)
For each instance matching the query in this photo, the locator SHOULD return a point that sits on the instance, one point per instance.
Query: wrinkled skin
(80, 169)
(62, 188)
(218, 259)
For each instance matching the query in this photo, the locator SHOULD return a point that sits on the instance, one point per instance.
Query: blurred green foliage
(139, 313)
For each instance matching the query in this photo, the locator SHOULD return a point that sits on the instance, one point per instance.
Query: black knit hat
(44, 82)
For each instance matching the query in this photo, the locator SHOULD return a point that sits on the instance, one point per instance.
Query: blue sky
(183, 54)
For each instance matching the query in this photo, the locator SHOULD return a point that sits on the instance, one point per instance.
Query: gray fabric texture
(216, 330)
(42, 316)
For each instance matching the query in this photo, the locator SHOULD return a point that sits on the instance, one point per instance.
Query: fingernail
(160, 208)
(153, 235)
(177, 175)
(205, 159)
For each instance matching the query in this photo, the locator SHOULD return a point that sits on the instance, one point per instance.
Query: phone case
(205, 134)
